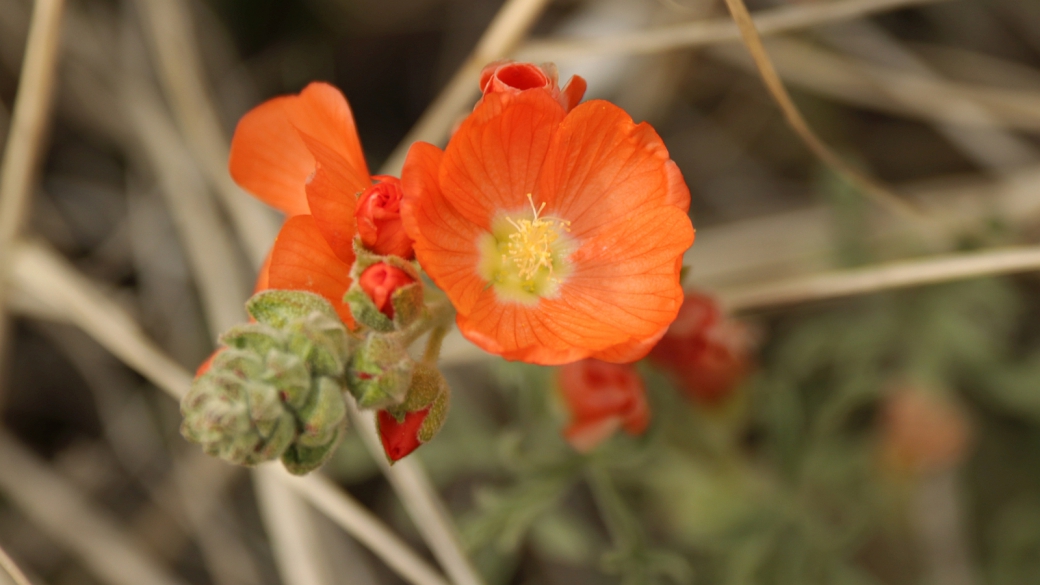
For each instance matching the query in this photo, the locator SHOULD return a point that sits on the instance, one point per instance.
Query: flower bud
(380, 372)
(379, 219)
(276, 388)
(417, 420)
(512, 77)
(386, 294)
(602, 397)
(380, 281)
(706, 353)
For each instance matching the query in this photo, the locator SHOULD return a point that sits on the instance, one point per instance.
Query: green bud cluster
(276, 389)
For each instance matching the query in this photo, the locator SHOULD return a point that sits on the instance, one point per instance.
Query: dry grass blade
(864, 84)
(344, 510)
(871, 188)
(885, 277)
(43, 273)
(501, 37)
(29, 120)
(210, 251)
(180, 69)
(12, 569)
(59, 509)
(293, 539)
(698, 33)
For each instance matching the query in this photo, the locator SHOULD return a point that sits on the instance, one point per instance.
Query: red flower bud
(602, 397)
(512, 77)
(379, 281)
(400, 438)
(204, 366)
(379, 219)
(706, 353)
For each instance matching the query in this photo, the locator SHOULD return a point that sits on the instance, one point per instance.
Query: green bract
(276, 389)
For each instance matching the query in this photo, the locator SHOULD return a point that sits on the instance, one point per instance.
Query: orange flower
(379, 281)
(301, 154)
(379, 219)
(602, 398)
(706, 352)
(511, 77)
(557, 236)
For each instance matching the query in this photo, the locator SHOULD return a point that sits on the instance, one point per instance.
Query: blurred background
(878, 435)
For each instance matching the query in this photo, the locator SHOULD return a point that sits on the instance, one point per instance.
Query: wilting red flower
(511, 77)
(301, 154)
(379, 219)
(400, 438)
(602, 397)
(922, 431)
(706, 352)
(379, 281)
(557, 236)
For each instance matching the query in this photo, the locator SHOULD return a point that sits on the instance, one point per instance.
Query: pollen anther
(530, 246)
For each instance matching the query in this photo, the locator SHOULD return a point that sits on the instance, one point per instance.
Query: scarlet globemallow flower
(706, 352)
(512, 77)
(602, 398)
(301, 154)
(557, 236)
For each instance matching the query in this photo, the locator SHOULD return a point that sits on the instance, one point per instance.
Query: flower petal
(332, 197)
(303, 260)
(445, 241)
(492, 162)
(270, 159)
(602, 167)
(625, 283)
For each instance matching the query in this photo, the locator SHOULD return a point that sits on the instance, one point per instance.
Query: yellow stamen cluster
(530, 247)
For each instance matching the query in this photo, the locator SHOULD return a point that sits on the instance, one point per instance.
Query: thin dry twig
(29, 121)
(508, 28)
(870, 187)
(174, 50)
(59, 509)
(932, 270)
(293, 539)
(12, 569)
(860, 83)
(344, 510)
(42, 272)
(699, 33)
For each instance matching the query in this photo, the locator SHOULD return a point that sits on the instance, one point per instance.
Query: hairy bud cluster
(276, 389)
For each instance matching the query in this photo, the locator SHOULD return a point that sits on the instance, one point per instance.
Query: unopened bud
(276, 389)
(379, 219)
(380, 372)
(419, 418)
(386, 294)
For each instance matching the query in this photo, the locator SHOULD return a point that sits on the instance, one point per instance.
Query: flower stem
(440, 313)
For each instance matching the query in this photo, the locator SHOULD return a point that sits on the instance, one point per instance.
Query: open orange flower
(301, 155)
(557, 236)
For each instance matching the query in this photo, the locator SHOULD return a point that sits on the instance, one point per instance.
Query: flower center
(526, 258)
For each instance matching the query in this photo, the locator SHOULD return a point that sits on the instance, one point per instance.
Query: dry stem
(870, 187)
(692, 34)
(12, 569)
(24, 142)
(895, 275)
